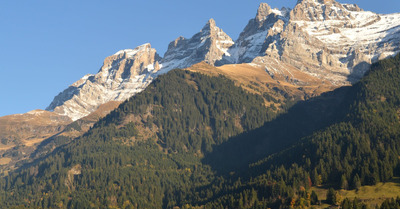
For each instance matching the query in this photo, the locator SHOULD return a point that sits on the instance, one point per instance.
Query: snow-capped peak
(210, 25)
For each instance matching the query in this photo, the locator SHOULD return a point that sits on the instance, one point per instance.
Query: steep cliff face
(209, 45)
(122, 75)
(267, 23)
(320, 10)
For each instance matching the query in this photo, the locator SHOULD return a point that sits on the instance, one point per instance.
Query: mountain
(122, 75)
(209, 45)
(158, 135)
(251, 40)
(332, 41)
(128, 72)
(317, 40)
(246, 124)
(166, 146)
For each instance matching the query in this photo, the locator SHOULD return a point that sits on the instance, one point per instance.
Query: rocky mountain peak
(252, 40)
(352, 7)
(210, 25)
(319, 10)
(126, 64)
(208, 45)
(315, 1)
(176, 42)
(263, 11)
(121, 75)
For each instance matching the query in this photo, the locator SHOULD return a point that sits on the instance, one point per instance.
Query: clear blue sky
(47, 45)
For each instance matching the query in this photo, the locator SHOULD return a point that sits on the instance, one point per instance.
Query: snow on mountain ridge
(325, 39)
(357, 42)
(130, 71)
(209, 45)
(252, 39)
(122, 75)
(328, 40)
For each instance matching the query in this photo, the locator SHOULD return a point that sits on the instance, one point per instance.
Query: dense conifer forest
(115, 165)
(191, 140)
(361, 147)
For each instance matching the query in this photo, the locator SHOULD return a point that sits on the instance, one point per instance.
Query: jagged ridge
(333, 42)
(130, 71)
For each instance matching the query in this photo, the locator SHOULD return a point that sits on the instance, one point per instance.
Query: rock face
(331, 42)
(319, 10)
(267, 23)
(130, 71)
(209, 45)
(122, 75)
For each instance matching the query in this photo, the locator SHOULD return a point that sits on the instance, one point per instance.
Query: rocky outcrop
(126, 64)
(209, 45)
(69, 180)
(320, 10)
(259, 32)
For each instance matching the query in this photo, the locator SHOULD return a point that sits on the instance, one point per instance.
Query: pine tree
(356, 182)
(314, 198)
(331, 196)
(343, 183)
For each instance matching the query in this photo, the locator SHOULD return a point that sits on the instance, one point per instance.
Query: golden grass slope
(30, 128)
(370, 195)
(255, 79)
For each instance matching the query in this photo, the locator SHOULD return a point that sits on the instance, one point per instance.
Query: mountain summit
(320, 10)
(209, 45)
(122, 75)
(253, 38)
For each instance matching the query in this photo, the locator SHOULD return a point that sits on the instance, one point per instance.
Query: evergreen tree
(314, 198)
(343, 183)
(331, 196)
(356, 182)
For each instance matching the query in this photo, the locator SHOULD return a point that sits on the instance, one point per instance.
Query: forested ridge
(116, 165)
(210, 144)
